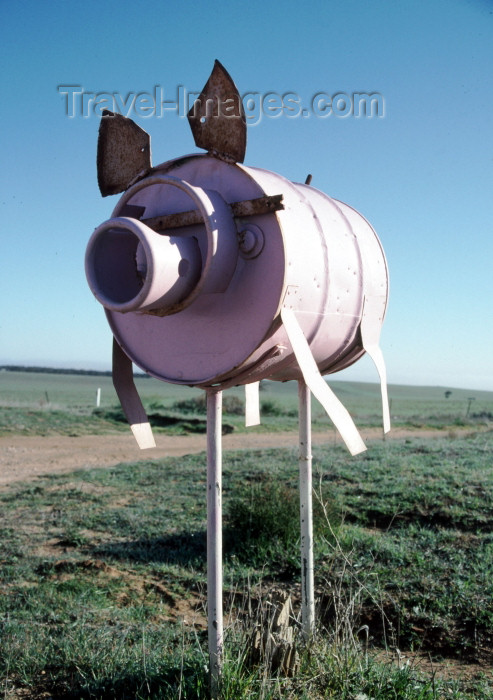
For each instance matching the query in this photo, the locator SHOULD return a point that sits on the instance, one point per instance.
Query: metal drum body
(315, 256)
(214, 274)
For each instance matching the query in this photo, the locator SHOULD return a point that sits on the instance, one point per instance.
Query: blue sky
(422, 174)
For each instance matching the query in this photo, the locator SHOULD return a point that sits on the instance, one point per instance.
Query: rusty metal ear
(124, 153)
(217, 118)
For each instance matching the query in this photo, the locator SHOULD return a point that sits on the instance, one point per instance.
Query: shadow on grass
(182, 549)
(161, 420)
(190, 425)
(167, 683)
(419, 515)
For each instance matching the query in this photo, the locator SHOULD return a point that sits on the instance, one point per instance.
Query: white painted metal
(306, 511)
(221, 323)
(338, 413)
(218, 327)
(214, 538)
(129, 398)
(130, 267)
(252, 404)
(98, 397)
(311, 247)
(375, 291)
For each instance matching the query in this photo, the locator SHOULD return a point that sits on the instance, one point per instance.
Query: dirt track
(24, 458)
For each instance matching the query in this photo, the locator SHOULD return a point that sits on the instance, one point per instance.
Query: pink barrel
(200, 304)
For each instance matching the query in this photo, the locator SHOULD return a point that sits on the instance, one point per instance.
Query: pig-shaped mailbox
(214, 274)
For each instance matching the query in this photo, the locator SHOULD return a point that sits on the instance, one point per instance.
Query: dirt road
(24, 458)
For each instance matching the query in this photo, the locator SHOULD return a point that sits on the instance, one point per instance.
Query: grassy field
(103, 579)
(38, 404)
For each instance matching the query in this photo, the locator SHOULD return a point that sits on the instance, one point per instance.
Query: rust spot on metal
(124, 153)
(260, 205)
(170, 221)
(247, 207)
(217, 118)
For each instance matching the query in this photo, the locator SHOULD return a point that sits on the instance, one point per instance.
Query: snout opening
(130, 267)
(118, 267)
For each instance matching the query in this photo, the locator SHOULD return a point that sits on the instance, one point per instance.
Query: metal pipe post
(214, 539)
(306, 511)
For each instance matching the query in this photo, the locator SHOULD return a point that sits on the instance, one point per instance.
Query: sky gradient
(422, 174)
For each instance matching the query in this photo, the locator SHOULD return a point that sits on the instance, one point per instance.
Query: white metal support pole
(214, 538)
(306, 511)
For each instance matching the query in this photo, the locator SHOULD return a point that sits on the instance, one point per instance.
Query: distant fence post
(98, 397)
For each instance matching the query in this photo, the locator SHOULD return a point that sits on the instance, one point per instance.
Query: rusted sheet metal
(260, 205)
(124, 152)
(248, 207)
(217, 118)
(171, 221)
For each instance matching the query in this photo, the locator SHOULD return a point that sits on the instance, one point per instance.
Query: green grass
(103, 577)
(40, 404)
